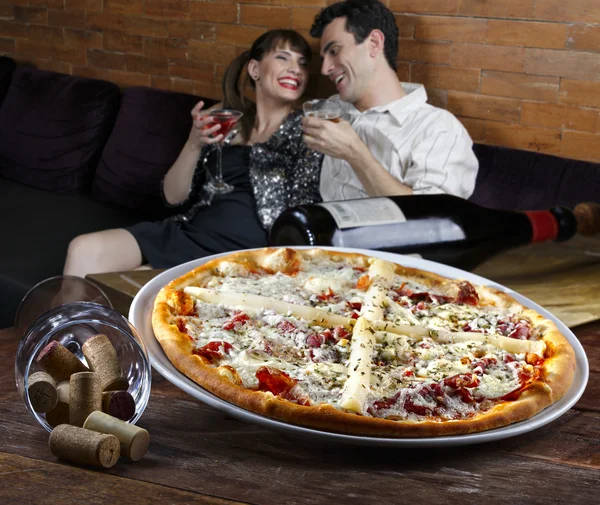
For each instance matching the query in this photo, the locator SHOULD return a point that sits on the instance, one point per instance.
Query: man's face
(346, 63)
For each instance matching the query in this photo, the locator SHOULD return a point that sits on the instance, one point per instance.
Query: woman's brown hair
(233, 93)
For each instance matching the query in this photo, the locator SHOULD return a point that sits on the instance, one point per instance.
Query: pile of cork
(87, 407)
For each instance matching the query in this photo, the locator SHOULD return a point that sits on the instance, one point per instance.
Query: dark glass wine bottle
(442, 228)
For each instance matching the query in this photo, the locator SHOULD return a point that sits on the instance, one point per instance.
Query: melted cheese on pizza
(412, 353)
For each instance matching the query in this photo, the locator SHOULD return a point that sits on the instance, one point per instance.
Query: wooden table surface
(199, 455)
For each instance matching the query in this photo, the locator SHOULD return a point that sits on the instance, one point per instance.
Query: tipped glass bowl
(71, 324)
(53, 292)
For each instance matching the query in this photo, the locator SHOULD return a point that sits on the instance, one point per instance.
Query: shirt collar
(415, 97)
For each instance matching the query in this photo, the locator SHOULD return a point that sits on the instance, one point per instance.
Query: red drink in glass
(227, 118)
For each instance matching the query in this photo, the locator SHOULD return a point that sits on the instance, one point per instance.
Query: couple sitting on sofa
(394, 143)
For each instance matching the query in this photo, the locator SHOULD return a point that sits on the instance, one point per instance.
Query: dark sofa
(79, 155)
(76, 155)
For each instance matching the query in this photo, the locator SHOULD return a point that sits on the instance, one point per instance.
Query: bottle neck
(543, 225)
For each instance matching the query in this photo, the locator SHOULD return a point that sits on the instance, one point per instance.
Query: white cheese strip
(357, 386)
(401, 311)
(411, 330)
(374, 303)
(362, 344)
(508, 344)
(248, 301)
(381, 269)
(382, 273)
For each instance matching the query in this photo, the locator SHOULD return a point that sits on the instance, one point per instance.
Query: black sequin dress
(268, 178)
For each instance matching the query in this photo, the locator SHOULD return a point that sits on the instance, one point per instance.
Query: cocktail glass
(227, 118)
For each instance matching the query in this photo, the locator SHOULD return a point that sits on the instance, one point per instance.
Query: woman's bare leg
(103, 251)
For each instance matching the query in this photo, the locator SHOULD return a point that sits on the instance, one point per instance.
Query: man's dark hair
(362, 17)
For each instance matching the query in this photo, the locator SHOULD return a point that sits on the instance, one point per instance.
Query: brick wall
(519, 73)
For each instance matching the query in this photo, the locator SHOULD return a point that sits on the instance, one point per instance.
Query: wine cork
(119, 404)
(85, 396)
(102, 359)
(42, 392)
(588, 218)
(63, 389)
(59, 362)
(84, 446)
(134, 440)
(60, 413)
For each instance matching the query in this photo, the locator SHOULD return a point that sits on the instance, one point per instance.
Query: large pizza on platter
(351, 344)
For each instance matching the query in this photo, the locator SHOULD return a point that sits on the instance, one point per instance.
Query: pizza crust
(556, 377)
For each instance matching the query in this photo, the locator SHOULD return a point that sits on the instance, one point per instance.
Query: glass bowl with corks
(80, 357)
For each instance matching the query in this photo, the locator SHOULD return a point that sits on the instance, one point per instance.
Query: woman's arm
(178, 180)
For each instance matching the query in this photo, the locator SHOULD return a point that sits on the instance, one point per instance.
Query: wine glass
(227, 118)
(323, 109)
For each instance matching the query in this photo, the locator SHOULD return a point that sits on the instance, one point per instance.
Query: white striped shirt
(422, 146)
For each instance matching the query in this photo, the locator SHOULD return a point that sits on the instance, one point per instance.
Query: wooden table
(199, 455)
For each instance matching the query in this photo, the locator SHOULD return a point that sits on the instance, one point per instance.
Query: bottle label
(543, 224)
(364, 212)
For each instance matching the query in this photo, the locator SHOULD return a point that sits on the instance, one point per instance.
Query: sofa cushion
(53, 128)
(7, 67)
(37, 227)
(521, 180)
(151, 128)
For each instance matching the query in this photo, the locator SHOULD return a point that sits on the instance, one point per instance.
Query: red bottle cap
(543, 224)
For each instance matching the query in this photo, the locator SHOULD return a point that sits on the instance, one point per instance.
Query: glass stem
(219, 164)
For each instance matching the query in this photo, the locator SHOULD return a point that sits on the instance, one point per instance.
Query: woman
(267, 162)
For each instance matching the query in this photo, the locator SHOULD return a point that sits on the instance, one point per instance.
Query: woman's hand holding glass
(226, 118)
(204, 130)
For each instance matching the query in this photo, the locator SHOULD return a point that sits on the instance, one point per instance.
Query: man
(393, 143)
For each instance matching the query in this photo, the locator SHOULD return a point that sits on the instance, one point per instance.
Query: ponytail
(233, 96)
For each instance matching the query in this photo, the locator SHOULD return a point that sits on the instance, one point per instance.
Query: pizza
(352, 344)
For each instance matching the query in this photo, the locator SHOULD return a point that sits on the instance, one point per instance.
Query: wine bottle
(442, 228)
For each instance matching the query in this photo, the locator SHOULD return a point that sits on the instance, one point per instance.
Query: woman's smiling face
(282, 73)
